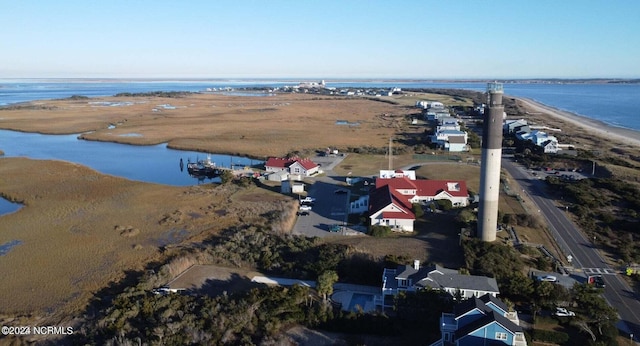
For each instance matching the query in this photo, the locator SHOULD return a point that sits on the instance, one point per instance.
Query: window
(501, 336)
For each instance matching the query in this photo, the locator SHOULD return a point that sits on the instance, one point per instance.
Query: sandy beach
(598, 128)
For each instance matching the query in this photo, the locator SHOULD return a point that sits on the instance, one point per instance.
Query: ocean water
(614, 104)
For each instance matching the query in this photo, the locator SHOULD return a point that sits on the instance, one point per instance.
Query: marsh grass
(252, 126)
(81, 230)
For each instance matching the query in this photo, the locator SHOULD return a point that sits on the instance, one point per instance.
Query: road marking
(606, 271)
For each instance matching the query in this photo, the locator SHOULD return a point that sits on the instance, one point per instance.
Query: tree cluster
(607, 208)
(175, 319)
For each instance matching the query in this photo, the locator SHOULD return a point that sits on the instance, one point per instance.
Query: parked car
(549, 278)
(303, 213)
(162, 290)
(308, 199)
(305, 208)
(335, 228)
(562, 312)
(596, 280)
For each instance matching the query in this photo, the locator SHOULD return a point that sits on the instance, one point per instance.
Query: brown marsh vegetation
(81, 230)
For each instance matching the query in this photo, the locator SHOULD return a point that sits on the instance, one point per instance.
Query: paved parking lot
(330, 208)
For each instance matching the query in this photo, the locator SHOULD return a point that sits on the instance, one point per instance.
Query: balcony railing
(520, 340)
(448, 322)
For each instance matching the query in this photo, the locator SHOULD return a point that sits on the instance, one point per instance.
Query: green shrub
(417, 210)
(379, 231)
(550, 336)
(444, 204)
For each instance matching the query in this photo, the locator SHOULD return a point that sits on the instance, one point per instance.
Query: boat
(203, 168)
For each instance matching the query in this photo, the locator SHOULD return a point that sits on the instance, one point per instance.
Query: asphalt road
(586, 259)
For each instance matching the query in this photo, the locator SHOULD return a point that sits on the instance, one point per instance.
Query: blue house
(481, 321)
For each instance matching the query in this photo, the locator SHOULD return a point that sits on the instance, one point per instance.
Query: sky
(324, 39)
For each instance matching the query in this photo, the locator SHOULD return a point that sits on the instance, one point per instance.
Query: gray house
(414, 278)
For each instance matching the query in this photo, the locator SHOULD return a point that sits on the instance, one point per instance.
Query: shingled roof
(384, 196)
(286, 162)
(455, 188)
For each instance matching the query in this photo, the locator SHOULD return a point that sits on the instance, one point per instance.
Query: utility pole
(390, 155)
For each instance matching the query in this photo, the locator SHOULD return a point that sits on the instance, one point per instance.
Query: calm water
(7, 207)
(615, 104)
(153, 164)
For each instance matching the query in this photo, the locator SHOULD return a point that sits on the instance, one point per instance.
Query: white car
(308, 199)
(549, 278)
(562, 312)
(305, 208)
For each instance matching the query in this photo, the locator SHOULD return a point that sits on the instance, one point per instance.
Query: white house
(456, 144)
(278, 176)
(550, 147)
(391, 202)
(413, 278)
(541, 139)
(294, 166)
(451, 140)
(435, 114)
(424, 190)
(291, 187)
(389, 208)
(436, 105)
(398, 173)
(422, 104)
(443, 136)
(514, 126)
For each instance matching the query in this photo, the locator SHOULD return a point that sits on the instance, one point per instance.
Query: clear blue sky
(320, 39)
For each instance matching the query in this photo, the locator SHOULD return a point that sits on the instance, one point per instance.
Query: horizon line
(422, 79)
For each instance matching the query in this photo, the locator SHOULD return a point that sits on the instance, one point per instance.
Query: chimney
(416, 264)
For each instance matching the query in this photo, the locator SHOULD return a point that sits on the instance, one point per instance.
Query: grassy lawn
(452, 170)
(410, 99)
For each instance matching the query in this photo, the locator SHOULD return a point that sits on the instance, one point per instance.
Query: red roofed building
(390, 204)
(294, 165)
(418, 191)
(390, 208)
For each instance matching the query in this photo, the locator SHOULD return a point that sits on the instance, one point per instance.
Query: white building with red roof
(294, 166)
(390, 204)
(387, 207)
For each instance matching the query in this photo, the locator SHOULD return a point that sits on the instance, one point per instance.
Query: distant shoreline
(326, 79)
(596, 127)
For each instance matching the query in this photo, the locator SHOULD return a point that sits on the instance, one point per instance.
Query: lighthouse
(491, 162)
